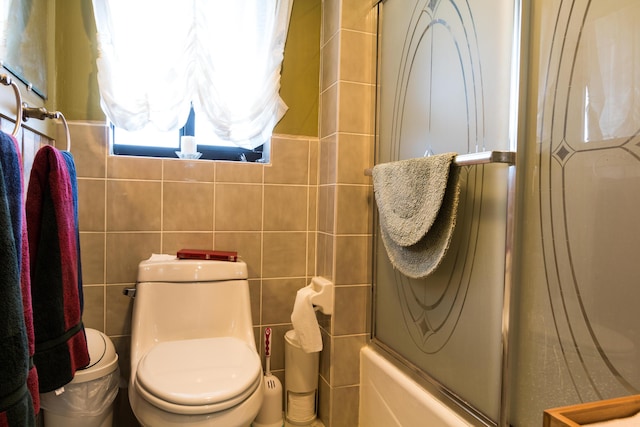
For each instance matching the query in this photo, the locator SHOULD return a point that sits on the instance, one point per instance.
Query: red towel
(61, 346)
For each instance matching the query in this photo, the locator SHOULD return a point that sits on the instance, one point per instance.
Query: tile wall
(132, 207)
(345, 201)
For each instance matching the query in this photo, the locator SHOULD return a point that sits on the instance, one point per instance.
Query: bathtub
(390, 398)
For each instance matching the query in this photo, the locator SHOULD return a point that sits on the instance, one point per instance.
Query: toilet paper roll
(305, 322)
(301, 407)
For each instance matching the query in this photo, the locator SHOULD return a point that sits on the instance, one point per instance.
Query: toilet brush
(270, 414)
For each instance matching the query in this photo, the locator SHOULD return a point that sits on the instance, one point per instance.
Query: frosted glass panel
(578, 318)
(445, 85)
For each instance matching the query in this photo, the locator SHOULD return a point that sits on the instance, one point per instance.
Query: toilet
(193, 354)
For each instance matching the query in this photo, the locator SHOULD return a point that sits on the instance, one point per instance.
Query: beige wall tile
(89, 148)
(330, 62)
(312, 242)
(314, 150)
(353, 264)
(356, 113)
(312, 209)
(278, 296)
(324, 257)
(359, 15)
(326, 208)
(356, 153)
(133, 205)
(285, 254)
(357, 53)
(123, 348)
(289, 161)
(91, 204)
(93, 313)
(92, 257)
(255, 293)
(239, 172)
(346, 360)
(130, 167)
(187, 206)
(238, 207)
(247, 244)
(344, 406)
(119, 310)
(353, 214)
(285, 208)
(190, 171)
(328, 159)
(324, 321)
(172, 242)
(124, 253)
(351, 310)
(329, 111)
(324, 402)
(326, 356)
(330, 19)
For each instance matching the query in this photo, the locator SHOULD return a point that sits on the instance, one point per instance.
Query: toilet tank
(190, 299)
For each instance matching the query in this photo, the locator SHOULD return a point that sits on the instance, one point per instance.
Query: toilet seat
(199, 376)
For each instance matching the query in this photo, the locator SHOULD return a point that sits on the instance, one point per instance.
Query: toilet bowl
(193, 355)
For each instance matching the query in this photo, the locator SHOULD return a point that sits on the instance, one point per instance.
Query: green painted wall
(76, 92)
(300, 82)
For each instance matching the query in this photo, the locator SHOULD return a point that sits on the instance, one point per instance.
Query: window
(211, 68)
(151, 142)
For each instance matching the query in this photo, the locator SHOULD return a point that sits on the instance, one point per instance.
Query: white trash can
(301, 381)
(87, 401)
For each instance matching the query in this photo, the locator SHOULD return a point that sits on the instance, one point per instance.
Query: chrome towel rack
(42, 113)
(470, 159)
(7, 81)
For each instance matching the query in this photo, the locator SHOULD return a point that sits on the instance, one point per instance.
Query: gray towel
(417, 203)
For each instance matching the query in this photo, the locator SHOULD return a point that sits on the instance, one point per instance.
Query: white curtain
(157, 57)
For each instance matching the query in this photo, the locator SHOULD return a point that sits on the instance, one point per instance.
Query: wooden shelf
(593, 412)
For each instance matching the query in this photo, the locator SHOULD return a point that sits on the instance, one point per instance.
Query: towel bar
(42, 113)
(471, 159)
(6, 80)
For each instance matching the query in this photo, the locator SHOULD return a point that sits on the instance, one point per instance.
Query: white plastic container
(87, 401)
(301, 381)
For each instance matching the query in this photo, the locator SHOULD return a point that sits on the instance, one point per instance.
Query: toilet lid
(200, 371)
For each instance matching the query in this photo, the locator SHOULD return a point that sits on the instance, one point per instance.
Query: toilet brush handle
(267, 342)
(267, 350)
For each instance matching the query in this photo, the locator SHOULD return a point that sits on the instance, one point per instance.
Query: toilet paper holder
(323, 299)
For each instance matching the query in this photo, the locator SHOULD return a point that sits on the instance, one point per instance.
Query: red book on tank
(231, 256)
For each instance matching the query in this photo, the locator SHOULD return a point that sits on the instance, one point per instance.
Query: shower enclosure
(533, 306)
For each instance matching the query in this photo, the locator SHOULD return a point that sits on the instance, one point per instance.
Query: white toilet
(193, 354)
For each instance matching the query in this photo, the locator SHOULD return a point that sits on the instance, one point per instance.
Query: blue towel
(73, 179)
(16, 404)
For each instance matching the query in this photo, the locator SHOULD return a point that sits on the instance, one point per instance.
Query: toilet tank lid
(168, 268)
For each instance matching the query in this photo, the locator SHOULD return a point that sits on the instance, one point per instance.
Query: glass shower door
(447, 83)
(577, 323)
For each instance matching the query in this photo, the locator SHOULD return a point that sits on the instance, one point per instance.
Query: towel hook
(6, 80)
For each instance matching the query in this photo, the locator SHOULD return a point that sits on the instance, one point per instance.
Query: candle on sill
(188, 144)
